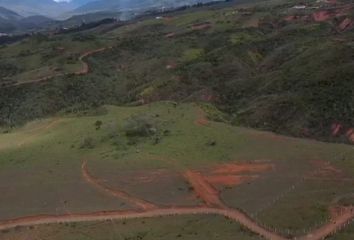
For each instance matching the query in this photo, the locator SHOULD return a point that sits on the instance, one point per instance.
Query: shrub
(98, 124)
(139, 126)
(87, 143)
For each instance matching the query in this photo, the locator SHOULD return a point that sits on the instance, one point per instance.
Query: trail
(201, 120)
(117, 193)
(336, 224)
(85, 66)
(85, 69)
(119, 215)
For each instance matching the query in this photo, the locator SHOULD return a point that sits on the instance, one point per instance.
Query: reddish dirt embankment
(202, 119)
(234, 174)
(117, 193)
(203, 189)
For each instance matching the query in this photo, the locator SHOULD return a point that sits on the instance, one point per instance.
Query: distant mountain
(35, 23)
(78, 3)
(87, 18)
(8, 20)
(127, 5)
(9, 15)
(36, 7)
(11, 22)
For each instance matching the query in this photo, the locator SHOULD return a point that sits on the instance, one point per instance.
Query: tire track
(140, 203)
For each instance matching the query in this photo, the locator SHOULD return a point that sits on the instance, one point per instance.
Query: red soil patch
(336, 128)
(170, 35)
(322, 16)
(201, 26)
(336, 211)
(290, 18)
(202, 122)
(201, 119)
(325, 15)
(325, 170)
(350, 134)
(238, 168)
(346, 24)
(171, 65)
(229, 180)
(203, 189)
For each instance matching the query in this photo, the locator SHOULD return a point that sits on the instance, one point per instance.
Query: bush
(87, 143)
(98, 124)
(139, 126)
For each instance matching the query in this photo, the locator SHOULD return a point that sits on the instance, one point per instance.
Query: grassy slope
(43, 56)
(48, 154)
(186, 227)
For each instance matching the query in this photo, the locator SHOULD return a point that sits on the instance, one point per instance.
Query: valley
(230, 121)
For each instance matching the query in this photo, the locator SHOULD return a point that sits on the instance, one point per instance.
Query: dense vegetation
(293, 77)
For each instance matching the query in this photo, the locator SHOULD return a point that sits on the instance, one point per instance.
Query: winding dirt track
(336, 224)
(99, 216)
(117, 193)
(85, 69)
(85, 66)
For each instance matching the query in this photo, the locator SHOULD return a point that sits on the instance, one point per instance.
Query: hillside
(270, 67)
(221, 121)
(7, 20)
(140, 167)
(9, 15)
(11, 22)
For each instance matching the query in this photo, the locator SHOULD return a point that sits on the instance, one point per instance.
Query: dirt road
(85, 66)
(140, 203)
(116, 215)
(83, 71)
(336, 223)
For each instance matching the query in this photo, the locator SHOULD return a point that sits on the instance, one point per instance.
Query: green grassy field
(44, 159)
